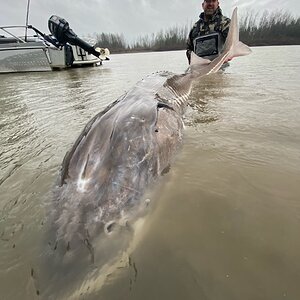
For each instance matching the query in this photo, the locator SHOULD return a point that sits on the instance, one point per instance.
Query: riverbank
(260, 44)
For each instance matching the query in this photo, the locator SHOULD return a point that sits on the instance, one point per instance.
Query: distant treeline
(172, 39)
(278, 28)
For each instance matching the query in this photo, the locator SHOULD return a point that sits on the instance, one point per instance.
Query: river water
(226, 218)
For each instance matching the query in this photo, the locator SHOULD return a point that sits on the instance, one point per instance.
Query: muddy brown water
(226, 218)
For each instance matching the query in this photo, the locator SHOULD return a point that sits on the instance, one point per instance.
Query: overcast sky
(133, 18)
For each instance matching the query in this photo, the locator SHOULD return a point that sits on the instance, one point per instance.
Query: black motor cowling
(60, 29)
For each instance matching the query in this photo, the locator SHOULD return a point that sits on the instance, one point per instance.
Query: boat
(36, 51)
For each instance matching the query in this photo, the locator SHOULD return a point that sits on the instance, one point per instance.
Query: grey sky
(133, 18)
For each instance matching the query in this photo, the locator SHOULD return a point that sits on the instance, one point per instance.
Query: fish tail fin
(232, 48)
(240, 49)
(233, 45)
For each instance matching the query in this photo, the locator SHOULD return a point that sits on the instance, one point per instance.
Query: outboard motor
(60, 29)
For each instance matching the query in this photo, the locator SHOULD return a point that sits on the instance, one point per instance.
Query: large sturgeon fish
(125, 148)
(120, 153)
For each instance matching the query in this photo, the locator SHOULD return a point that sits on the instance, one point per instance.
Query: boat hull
(23, 58)
(37, 57)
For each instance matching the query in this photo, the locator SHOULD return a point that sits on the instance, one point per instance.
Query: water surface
(225, 220)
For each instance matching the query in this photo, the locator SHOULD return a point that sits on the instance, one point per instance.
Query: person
(208, 35)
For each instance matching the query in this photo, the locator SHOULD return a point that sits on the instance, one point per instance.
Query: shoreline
(153, 50)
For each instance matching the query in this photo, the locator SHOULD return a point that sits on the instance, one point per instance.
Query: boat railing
(17, 39)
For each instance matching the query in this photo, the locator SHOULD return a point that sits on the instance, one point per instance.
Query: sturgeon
(125, 148)
(119, 155)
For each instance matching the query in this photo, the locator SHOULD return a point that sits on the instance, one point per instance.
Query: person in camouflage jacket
(211, 20)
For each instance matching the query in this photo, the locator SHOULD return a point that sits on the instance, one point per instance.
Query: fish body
(125, 148)
(119, 155)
